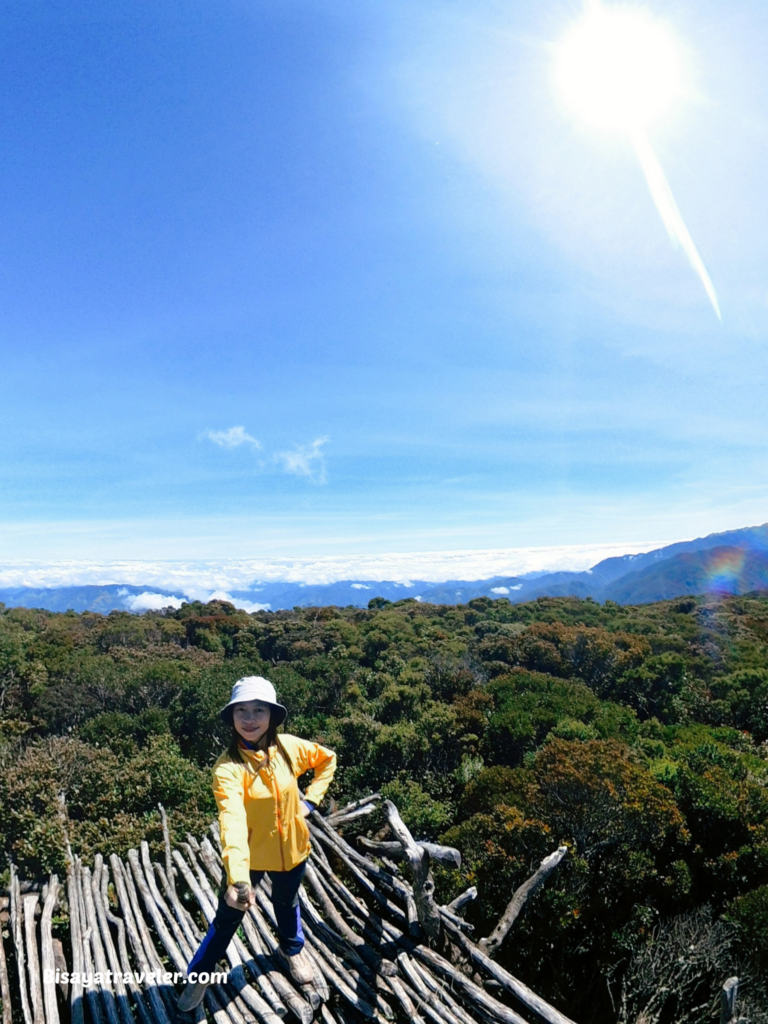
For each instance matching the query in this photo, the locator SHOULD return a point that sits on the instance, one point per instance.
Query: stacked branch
(372, 937)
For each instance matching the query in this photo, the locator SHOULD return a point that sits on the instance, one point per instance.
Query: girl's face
(251, 720)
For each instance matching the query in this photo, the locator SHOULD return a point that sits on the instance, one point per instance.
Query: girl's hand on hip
(240, 896)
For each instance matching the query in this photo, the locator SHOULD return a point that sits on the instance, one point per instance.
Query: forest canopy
(636, 736)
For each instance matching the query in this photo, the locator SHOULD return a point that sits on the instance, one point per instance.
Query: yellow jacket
(260, 816)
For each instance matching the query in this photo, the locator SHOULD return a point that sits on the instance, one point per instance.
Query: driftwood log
(491, 944)
(5, 985)
(369, 918)
(47, 954)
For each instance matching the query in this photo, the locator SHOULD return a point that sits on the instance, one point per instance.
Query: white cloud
(199, 578)
(305, 460)
(231, 438)
(238, 602)
(499, 590)
(149, 602)
(360, 586)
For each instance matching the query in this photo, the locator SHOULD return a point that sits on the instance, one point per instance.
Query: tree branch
(492, 943)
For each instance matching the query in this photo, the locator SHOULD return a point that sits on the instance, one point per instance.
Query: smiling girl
(261, 820)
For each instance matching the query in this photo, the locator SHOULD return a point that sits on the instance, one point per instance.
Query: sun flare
(618, 67)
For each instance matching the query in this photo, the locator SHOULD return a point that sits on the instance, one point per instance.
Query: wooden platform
(381, 948)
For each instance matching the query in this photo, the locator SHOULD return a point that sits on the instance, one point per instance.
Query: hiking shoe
(299, 967)
(191, 996)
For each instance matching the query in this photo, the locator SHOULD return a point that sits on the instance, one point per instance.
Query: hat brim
(278, 713)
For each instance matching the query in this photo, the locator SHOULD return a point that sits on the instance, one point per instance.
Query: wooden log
(434, 1011)
(102, 904)
(423, 883)
(371, 798)
(212, 864)
(335, 820)
(318, 851)
(728, 997)
(17, 931)
(355, 942)
(47, 955)
(5, 985)
(412, 914)
(474, 995)
(524, 996)
(385, 878)
(355, 908)
(443, 993)
(167, 993)
(457, 921)
(61, 965)
(193, 936)
(380, 964)
(208, 909)
(102, 927)
(91, 992)
(461, 901)
(214, 830)
(490, 945)
(76, 988)
(169, 871)
(149, 878)
(391, 867)
(444, 854)
(361, 877)
(168, 939)
(326, 1016)
(29, 904)
(99, 955)
(339, 982)
(184, 918)
(185, 941)
(404, 999)
(357, 977)
(326, 934)
(156, 1001)
(206, 845)
(214, 1001)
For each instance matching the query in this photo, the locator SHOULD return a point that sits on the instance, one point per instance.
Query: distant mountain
(734, 562)
(728, 570)
(103, 599)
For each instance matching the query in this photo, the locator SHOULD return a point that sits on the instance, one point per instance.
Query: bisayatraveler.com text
(87, 979)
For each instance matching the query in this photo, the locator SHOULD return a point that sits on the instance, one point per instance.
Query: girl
(261, 820)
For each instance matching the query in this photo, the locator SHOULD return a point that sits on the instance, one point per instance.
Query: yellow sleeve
(233, 824)
(306, 755)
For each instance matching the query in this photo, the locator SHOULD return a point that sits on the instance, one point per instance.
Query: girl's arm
(233, 824)
(306, 755)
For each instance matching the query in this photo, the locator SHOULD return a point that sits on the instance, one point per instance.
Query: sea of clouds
(211, 579)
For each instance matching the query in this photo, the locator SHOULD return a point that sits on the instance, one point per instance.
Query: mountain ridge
(734, 562)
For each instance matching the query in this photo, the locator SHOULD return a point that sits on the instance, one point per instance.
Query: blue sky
(300, 278)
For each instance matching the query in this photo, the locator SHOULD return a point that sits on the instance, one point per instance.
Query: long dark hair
(273, 740)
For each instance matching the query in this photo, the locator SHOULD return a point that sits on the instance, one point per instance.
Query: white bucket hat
(254, 688)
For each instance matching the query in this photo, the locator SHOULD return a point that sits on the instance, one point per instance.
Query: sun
(618, 68)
